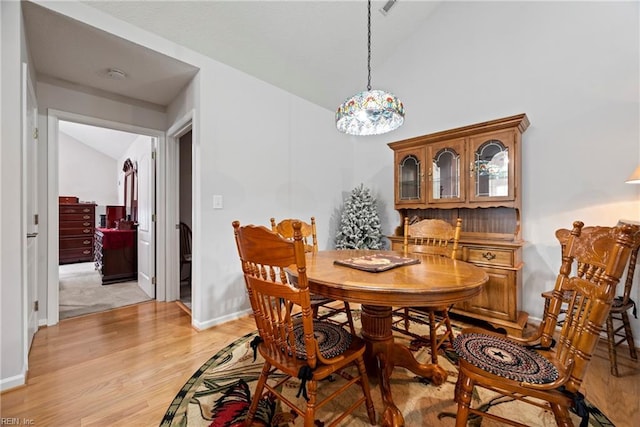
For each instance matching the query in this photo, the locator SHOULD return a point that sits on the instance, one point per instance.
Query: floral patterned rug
(218, 395)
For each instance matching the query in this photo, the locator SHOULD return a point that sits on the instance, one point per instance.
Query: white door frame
(29, 208)
(178, 129)
(53, 117)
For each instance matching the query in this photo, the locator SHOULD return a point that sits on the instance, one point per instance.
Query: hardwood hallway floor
(123, 367)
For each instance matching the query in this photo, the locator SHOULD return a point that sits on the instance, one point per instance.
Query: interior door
(146, 223)
(30, 204)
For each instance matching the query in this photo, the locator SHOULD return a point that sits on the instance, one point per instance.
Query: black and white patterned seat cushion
(505, 358)
(332, 339)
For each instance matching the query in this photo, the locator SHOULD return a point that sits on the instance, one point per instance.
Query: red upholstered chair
(290, 343)
(536, 370)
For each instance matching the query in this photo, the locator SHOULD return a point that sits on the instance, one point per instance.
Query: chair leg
(611, 342)
(447, 322)
(628, 333)
(310, 412)
(463, 394)
(406, 318)
(352, 328)
(561, 413)
(257, 394)
(366, 389)
(433, 336)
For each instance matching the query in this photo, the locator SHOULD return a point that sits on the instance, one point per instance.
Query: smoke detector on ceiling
(116, 74)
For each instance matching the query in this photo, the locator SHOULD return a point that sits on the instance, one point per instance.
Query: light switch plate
(217, 201)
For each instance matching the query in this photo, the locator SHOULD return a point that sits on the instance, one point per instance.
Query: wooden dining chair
(328, 305)
(538, 370)
(295, 346)
(436, 237)
(618, 325)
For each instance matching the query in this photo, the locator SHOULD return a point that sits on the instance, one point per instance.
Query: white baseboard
(12, 382)
(214, 322)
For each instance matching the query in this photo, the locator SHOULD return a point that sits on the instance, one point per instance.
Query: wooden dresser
(76, 228)
(116, 254)
(473, 173)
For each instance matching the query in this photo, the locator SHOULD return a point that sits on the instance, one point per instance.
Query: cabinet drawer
(489, 256)
(79, 242)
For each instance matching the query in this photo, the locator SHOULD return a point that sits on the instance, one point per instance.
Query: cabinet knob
(86, 252)
(86, 242)
(86, 217)
(488, 256)
(86, 230)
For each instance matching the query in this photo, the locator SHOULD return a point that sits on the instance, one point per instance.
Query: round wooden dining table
(433, 281)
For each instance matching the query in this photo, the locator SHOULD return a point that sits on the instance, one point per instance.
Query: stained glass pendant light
(372, 112)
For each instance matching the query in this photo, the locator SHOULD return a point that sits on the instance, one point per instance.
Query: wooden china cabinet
(474, 173)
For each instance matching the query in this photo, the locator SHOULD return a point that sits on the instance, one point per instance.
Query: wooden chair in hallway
(287, 341)
(309, 236)
(618, 325)
(437, 237)
(185, 250)
(537, 370)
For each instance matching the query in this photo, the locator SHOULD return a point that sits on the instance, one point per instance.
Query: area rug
(218, 395)
(82, 292)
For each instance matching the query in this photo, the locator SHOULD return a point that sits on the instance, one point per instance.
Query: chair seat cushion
(333, 340)
(505, 358)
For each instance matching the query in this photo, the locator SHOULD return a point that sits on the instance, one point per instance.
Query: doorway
(94, 277)
(185, 215)
(99, 185)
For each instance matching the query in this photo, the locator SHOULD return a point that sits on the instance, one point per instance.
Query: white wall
(13, 364)
(280, 156)
(86, 173)
(572, 67)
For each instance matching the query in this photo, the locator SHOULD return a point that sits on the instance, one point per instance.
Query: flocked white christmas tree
(359, 226)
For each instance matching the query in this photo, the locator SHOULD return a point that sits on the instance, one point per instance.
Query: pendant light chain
(369, 45)
(372, 112)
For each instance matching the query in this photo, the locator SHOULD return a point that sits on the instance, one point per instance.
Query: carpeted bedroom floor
(82, 291)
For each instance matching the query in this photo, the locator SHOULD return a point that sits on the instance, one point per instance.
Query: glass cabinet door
(491, 170)
(445, 171)
(410, 176)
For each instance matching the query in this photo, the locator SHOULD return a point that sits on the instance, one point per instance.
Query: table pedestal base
(383, 354)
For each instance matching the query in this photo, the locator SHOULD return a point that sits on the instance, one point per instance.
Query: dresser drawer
(75, 255)
(66, 217)
(76, 231)
(489, 256)
(77, 209)
(77, 224)
(76, 242)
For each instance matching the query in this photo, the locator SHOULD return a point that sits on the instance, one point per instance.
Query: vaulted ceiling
(314, 49)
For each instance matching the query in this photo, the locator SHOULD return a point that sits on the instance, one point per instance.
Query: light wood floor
(123, 367)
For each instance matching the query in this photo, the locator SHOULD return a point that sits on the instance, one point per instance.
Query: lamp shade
(635, 177)
(372, 112)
